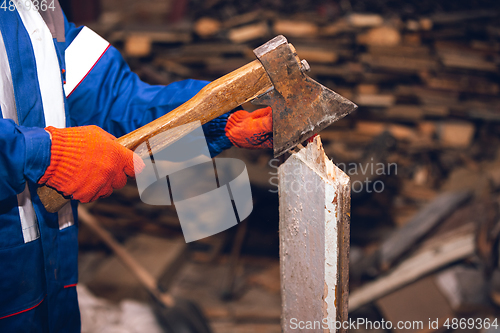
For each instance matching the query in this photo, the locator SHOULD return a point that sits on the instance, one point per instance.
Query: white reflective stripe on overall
(50, 84)
(49, 80)
(47, 67)
(81, 56)
(29, 223)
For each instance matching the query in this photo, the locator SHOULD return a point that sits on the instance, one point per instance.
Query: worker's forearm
(26, 155)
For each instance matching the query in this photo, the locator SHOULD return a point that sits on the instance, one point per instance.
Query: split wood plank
(438, 253)
(314, 238)
(426, 219)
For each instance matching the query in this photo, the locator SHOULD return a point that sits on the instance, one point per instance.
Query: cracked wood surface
(314, 239)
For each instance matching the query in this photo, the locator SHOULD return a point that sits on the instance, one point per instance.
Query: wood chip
(380, 100)
(138, 45)
(249, 32)
(316, 54)
(381, 36)
(365, 20)
(206, 27)
(295, 28)
(456, 134)
(367, 89)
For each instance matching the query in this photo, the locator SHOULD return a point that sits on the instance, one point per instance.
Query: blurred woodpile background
(422, 151)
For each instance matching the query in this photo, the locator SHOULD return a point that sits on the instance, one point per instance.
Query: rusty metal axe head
(301, 106)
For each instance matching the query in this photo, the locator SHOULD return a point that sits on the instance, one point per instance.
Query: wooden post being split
(314, 241)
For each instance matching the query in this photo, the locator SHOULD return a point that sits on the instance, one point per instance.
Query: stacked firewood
(428, 80)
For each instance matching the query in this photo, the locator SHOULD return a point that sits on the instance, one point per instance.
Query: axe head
(301, 106)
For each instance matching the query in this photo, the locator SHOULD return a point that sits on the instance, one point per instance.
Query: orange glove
(86, 163)
(251, 130)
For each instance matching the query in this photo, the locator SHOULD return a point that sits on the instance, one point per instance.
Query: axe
(301, 106)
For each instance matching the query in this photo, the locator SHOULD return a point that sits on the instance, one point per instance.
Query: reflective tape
(49, 79)
(65, 216)
(81, 56)
(29, 222)
(7, 99)
(47, 67)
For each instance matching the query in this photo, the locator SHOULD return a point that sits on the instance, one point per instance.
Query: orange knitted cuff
(65, 154)
(251, 130)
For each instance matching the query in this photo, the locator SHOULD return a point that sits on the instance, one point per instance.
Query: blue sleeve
(113, 97)
(24, 154)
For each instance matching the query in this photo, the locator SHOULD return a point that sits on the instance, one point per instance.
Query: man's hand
(251, 130)
(86, 163)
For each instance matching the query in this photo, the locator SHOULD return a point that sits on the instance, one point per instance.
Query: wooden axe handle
(215, 99)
